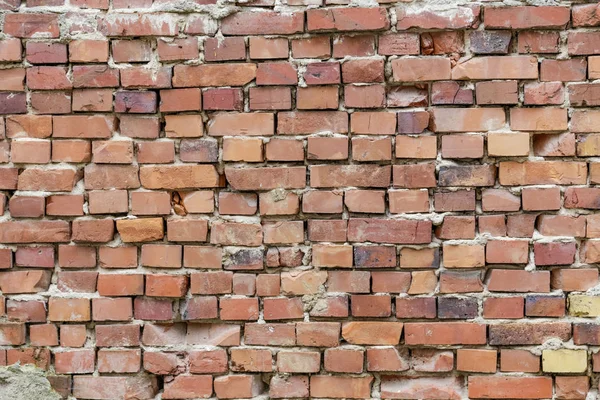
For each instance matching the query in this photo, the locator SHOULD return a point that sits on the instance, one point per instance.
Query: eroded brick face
(301, 199)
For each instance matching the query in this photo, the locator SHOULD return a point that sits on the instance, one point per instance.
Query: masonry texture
(322, 198)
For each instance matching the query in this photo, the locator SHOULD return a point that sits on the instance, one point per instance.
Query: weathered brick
(264, 23)
(213, 75)
(28, 25)
(459, 18)
(526, 17)
(497, 67)
(506, 387)
(347, 19)
(415, 69)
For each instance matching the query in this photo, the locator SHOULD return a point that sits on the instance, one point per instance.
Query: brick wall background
(313, 199)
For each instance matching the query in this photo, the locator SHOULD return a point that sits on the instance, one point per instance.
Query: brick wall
(208, 199)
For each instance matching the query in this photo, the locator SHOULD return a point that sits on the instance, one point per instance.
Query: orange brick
(476, 360)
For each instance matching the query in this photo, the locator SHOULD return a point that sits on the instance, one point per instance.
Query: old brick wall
(301, 198)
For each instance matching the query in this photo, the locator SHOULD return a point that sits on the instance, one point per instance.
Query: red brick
(542, 172)
(237, 203)
(205, 361)
(122, 386)
(30, 152)
(112, 309)
(554, 253)
(46, 53)
(35, 257)
(166, 285)
(370, 96)
(119, 361)
(463, 17)
(214, 75)
(526, 17)
(445, 333)
(343, 19)
(538, 42)
(75, 361)
(188, 387)
(506, 387)
(238, 386)
(512, 360)
(340, 386)
(322, 73)
(264, 23)
(138, 25)
(494, 225)
(270, 334)
(344, 360)
(420, 69)
(317, 98)
(140, 77)
(121, 285)
(77, 281)
(201, 24)
(177, 49)
(408, 96)
(573, 279)
(130, 50)
(476, 360)
(26, 206)
(490, 42)
(148, 308)
(268, 48)
(370, 306)
(462, 146)
(88, 51)
(30, 25)
(283, 309)
(496, 92)
(503, 307)
(10, 50)
(12, 334)
(276, 98)
(118, 335)
(43, 335)
(34, 231)
(69, 310)
(256, 124)
(563, 70)
(312, 122)
(354, 46)
(501, 280)
(584, 15)
(507, 252)
(545, 306)
(26, 311)
(445, 119)
(497, 67)
(399, 44)
(223, 99)
(298, 361)
(307, 282)
(225, 49)
(178, 176)
(313, 47)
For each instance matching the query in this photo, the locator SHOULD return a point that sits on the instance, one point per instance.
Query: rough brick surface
(302, 198)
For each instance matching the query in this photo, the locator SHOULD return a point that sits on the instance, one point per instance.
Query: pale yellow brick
(564, 361)
(581, 305)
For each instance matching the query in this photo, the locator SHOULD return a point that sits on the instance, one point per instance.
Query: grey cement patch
(25, 383)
